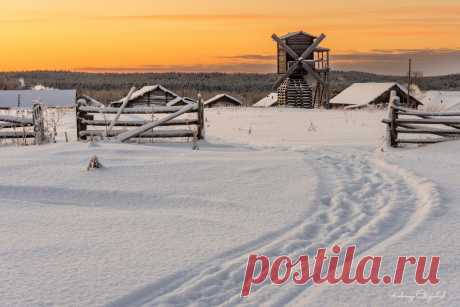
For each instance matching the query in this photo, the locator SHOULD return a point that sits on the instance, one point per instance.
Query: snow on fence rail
(403, 121)
(144, 122)
(23, 128)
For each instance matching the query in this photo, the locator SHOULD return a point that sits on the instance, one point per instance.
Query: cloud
(395, 61)
(41, 17)
(184, 17)
(381, 61)
(254, 57)
(23, 20)
(241, 67)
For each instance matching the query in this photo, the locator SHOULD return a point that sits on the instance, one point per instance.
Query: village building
(155, 95)
(53, 98)
(361, 95)
(271, 100)
(223, 100)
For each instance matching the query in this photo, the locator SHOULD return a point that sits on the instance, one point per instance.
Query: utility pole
(409, 81)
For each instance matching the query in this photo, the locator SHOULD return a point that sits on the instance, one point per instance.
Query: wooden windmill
(304, 70)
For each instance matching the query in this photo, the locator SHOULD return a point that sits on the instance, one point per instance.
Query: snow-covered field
(163, 225)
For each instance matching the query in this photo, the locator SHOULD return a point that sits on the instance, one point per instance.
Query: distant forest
(248, 87)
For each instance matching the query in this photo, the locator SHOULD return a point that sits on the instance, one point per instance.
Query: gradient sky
(221, 35)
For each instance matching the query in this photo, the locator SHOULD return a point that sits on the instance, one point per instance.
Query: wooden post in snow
(392, 134)
(200, 129)
(409, 84)
(39, 124)
(81, 115)
(122, 107)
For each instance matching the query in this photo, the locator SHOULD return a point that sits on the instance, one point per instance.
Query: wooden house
(155, 95)
(223, 100)
(361, 95)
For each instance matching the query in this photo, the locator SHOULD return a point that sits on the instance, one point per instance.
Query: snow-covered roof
(361, 94)
(447, 100)
(267, 101)
(177, 100)
(147, 89)
(26, 98)
(90, 100)
(291, 34)
(220, 96)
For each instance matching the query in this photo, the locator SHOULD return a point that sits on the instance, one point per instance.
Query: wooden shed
(155, 95)
(223, 100)
(361, 95)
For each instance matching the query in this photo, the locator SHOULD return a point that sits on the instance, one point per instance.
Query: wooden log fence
(441, 126)
(23, 128)
(141, 122)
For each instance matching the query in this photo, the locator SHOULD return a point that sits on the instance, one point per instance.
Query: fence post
(39, 124)
(200, 133)
(392, 134)
(394, 125)
(80, 125)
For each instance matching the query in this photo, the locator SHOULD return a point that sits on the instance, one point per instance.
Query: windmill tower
(303, 67)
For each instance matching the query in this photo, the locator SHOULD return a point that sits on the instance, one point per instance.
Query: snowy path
(362, 200)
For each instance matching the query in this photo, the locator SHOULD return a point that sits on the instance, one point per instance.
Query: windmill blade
(315, 75)
(286, 75)
(286, 48)
(313, 46)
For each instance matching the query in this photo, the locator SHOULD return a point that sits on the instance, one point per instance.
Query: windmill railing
(24, 129)
(128, 123)
(409, 126)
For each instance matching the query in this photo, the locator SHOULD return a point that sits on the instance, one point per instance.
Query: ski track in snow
(362, 200)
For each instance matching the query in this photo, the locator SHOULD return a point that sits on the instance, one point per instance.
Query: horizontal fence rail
(441, 126)
(23, 128)
(140, 122)
(135, 110)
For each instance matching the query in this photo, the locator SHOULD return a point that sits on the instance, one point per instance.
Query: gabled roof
(178, 100)
(267, 101)
(291, 34)
(361, 94)
(147, 89)
(220, 96)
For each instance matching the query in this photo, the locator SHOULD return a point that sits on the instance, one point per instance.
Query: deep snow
(164, 225)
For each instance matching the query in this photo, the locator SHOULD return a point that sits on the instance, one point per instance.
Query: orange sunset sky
(228, 36)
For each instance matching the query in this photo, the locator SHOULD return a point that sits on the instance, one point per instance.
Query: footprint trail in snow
(361, 200)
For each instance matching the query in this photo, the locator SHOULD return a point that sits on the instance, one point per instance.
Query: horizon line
(121, 72)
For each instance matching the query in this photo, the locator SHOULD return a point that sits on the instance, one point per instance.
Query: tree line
(249, 88)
